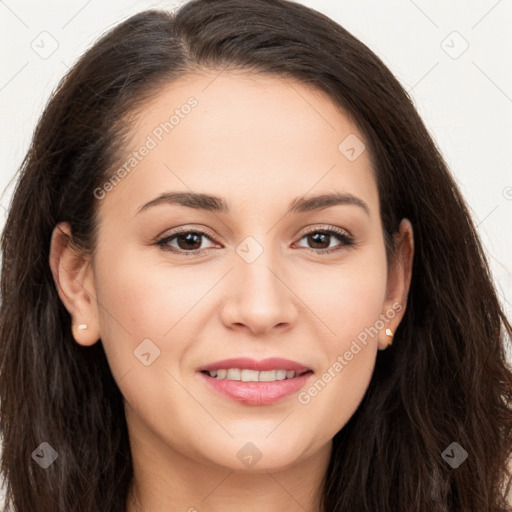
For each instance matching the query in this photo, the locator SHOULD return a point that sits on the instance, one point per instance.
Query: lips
(256, 382)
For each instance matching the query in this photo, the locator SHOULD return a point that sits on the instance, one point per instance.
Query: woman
(237, 275)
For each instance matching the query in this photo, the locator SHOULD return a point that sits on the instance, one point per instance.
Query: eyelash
(347, 241)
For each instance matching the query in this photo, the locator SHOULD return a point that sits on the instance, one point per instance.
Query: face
(262, 271)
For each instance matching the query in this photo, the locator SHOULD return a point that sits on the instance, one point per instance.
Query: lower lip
(257, 393)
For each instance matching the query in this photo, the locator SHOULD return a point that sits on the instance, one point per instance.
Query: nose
(260, 297)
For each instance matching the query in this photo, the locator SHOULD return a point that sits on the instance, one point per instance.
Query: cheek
(349, 300)
(139, 301)
(146, 326)
(348, 297)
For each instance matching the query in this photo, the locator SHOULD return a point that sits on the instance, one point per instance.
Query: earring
(81, 327)
(389, 333)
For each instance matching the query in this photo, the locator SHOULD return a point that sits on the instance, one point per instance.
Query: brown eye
(190, 240)
(187, 242)
(320, 240)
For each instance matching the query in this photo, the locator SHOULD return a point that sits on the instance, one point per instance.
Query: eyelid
(189, 229)
(324, 227)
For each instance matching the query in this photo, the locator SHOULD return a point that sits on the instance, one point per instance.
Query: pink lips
(257, 393)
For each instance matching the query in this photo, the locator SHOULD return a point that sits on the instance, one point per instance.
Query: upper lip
(271, 363)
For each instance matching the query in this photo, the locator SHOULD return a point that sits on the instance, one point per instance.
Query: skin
(259, 142)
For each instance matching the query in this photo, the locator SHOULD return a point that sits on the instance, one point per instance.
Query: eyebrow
(217, 204)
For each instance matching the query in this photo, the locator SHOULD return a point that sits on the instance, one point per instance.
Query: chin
(258, 456)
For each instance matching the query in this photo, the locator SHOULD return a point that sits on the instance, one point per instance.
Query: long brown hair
(445, 379)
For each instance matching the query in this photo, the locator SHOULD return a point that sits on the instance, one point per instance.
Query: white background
(465, 101)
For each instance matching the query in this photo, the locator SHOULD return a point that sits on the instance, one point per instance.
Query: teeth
(251, 375)
(267, 376)
(281, 374)
(233, 374)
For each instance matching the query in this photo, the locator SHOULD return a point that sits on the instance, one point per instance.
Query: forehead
(244, 103)
(247, 134)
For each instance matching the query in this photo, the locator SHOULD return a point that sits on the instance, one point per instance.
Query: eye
(188, 242)
(320, 237)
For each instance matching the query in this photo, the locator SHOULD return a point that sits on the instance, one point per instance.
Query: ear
(399, 281)
(73, 276)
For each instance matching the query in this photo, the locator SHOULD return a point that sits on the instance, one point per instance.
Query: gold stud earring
(389, 333)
